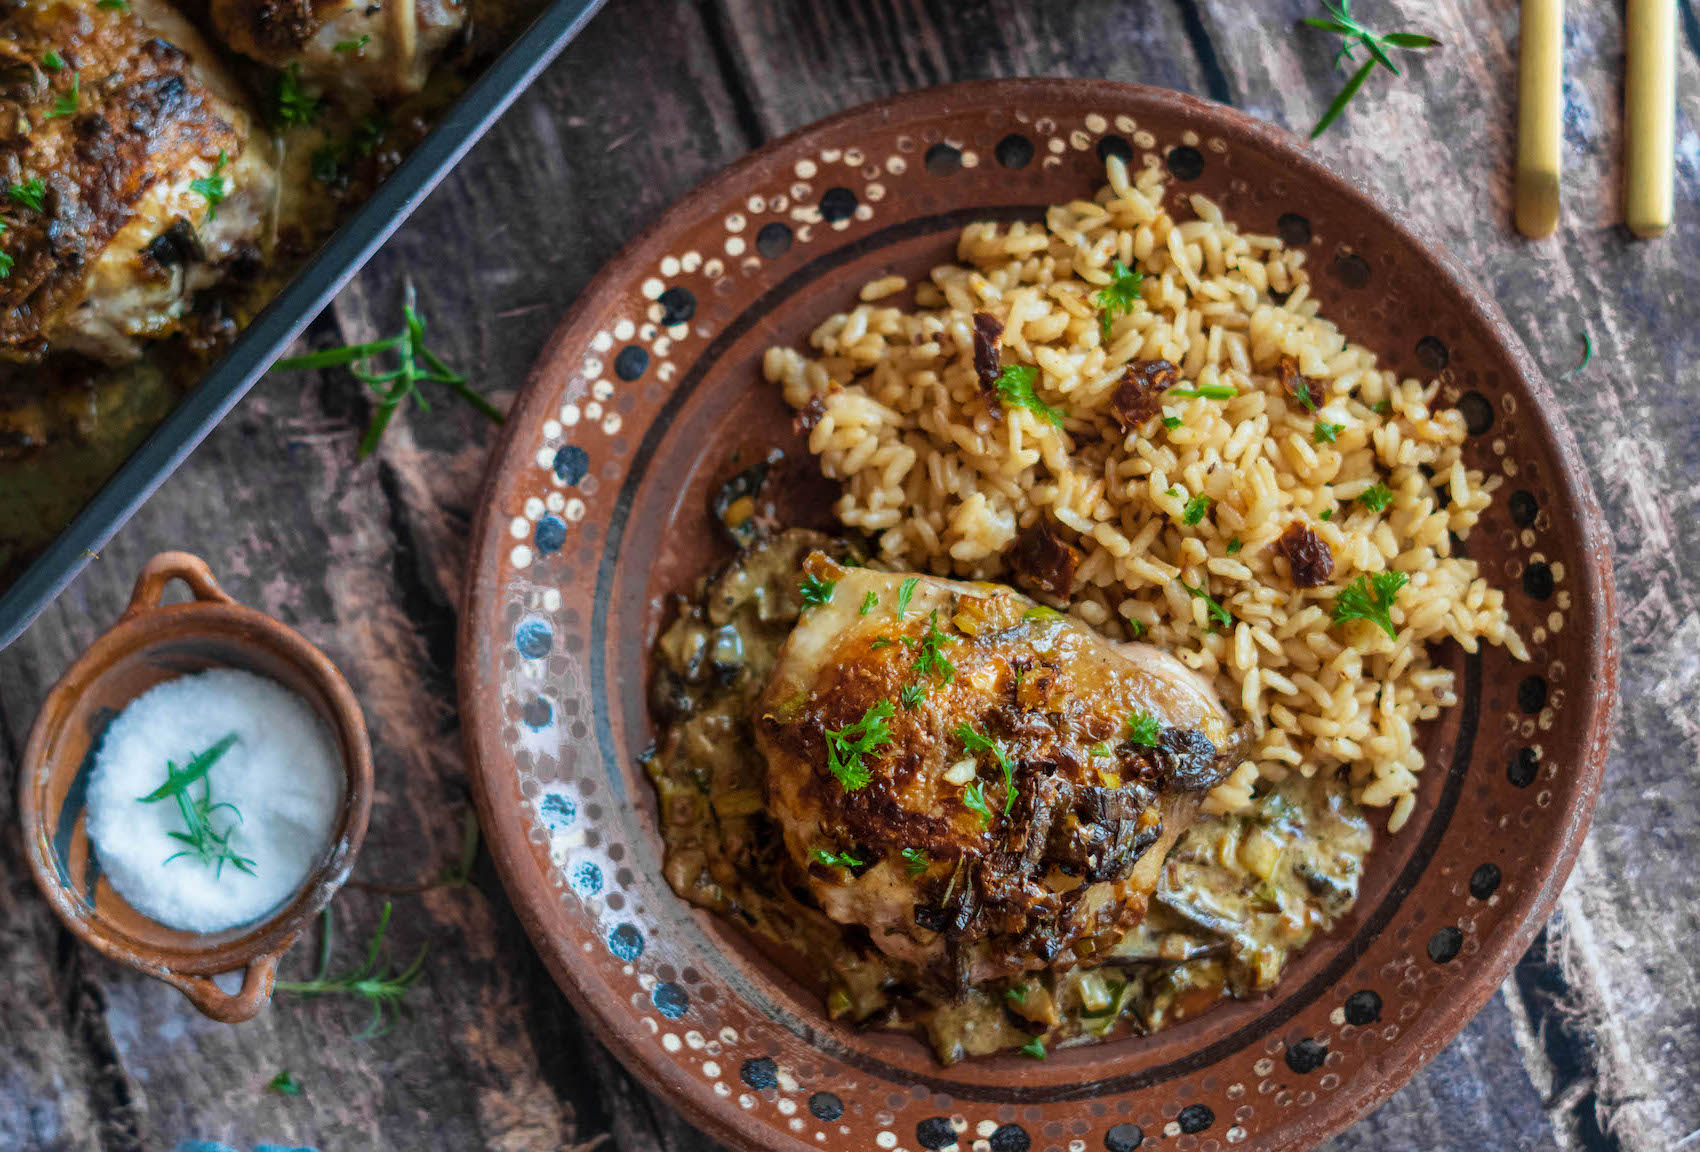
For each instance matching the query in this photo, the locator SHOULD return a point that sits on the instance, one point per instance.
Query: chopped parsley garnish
(1196, 508)
(214, 187)
(815, 590)
(1322, 432)
(284, 1084)
(1101, 748)
(5, 258)
(1143, 729)
(352, 45)
(977, 742)
(869, 603)
(1376, 498)
(1034, 1048)
(911, 696)
(1018, 993)
(1015, 386)
(1119, 298)
(1206, 392)
(30, 194)
(846, 746)
(1135, 627)
(1235, 545)
(52, 61)
(291, 104)
(837, 859)
(66, 104)
(1041, 612)
(1371, 598)
(1172, 421)
(905, 592)
(880, 642)
(930, 659)
(1383, 406)
(974, 799)
(1218, 614)
(1327, 515)
(1341, 22)
(113, 5)
(915, 861)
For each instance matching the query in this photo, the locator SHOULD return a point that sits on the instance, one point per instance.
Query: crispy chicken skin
(117, 112)
(1034, 820)
(357, 47)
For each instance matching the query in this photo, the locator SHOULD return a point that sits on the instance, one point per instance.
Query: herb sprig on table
(415, 365)
(1354, 35)
(372, 981)
(204, 843)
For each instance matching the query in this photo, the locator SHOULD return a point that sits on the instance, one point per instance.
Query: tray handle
(169, 566)
(214, 1003)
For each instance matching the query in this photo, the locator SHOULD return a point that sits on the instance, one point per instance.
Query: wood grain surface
(1595, 1041)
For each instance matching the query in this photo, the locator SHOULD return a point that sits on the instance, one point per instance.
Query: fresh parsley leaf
(113, 5)
(66, 104)
(1376, 498)
(1018, 993)
(1102, 748)
(1034, 1048)
(1172, 421)
(1383, 406)
(1323, 432)
(1371, 598)
(1119, 298)
(284, 1084)
(1340, 22)
(1015, 386)
(30, 194)
(846, 746)
(1135, 627)
(1235, 545)
(1196, 508)
(905, 592)
(880, 642)
(974, 799)
(1327, 514)
(52, 61)
(815, 590)
(977, 742)
(911, 695)
(352, 45)
(915, 861)
(1206, 392)
(838, 859)
(1217, 613)
(930, 659)
(869, 602)
(1143, 729)
(214, 187)
(292, 105)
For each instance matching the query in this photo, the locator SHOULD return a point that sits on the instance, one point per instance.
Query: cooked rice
(945, 488)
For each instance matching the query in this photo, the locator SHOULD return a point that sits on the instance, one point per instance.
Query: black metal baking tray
(291, 310)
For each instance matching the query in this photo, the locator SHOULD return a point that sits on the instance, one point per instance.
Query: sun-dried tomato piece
(1307, 555)
(1139, 396)
(1044, 561)
(1299, 386)
(988, 330)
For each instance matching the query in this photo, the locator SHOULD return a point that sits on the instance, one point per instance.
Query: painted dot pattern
(1010, 1138)
(1123, 1138)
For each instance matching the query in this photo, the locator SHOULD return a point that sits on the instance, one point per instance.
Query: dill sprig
(1354, 35)
(371, 982)
(204, 843)
(401, 383)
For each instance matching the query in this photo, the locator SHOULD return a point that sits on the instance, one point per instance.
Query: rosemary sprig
(1354, 35)
(204, 842)
(371, 981)
(400, 383)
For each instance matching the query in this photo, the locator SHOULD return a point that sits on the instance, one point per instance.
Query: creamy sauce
(1239, 896)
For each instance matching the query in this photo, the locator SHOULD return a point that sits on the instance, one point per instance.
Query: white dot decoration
(602, 389)
(520, 528)
(533, 508)
(569, 414)
(520, 557)
(669, 267)
(805, 169)
(734, 245)
(624, 330)
(652, 288)
(710, 1069)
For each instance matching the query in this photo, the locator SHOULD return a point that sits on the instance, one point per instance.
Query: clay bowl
(150, 643)
(596, 508)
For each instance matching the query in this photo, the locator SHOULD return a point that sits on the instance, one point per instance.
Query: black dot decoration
(1195, 1118)
(1524, 508)
(1014, 151)
(572, 463)
(1116, 146)
(774, 239)
(550, 534)
(1293, 229)
(1484, 881)
(677, 306)
(671, 1000)
(825, 1106)
(941, 160)
(1124, 1138)
(1537, 580)
(632, 362)
(1185, 163)
(626, 942)
(1363, 1007)
(1444, 945)
(1350, 269)
(1433, 355)
(1524, 767)
(1478, 413)
(1532, 694)
(837, 204)
(537, 713)
(1010, 1138)
(759, 1072)
(1306, 1056)
(534, 638)
(935, 1133)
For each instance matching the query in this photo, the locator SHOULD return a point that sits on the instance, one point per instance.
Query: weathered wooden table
(1594, 1042)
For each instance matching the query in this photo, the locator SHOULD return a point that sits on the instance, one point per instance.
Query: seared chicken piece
(983, 784)
(356, 47)
(128, 176)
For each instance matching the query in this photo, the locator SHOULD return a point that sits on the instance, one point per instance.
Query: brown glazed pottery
(596, 509)
(151, 643)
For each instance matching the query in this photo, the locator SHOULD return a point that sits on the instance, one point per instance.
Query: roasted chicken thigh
(983, 784)
(357, 47)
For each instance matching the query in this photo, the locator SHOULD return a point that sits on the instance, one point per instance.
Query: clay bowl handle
(214, 1003)
(165, 568)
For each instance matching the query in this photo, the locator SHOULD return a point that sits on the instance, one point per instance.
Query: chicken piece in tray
(357, 48)
(129, 179)
(984, 785)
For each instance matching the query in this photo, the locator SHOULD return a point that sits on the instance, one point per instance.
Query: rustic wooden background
(1595, 1041)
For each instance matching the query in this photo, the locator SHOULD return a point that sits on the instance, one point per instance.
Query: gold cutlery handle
(1649, 115)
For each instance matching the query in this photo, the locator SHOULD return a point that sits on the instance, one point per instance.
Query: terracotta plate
(596, 508)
